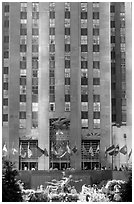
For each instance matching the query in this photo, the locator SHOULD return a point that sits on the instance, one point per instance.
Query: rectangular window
(23, 81)
(84, 48)
(113, 55)
(22, 64)
(51, 31)
(35, 15)
(67, 14)
(84, 98)
(96, 65)
(22, 115)
(96, 81)
(51, 47)
(23, 48)
(112, 24)
(6, 54)
(112, 39)
(51, 89)
(5, 70)
(67, 47)
(67, 89)
(96, 123)
(84, 114)
(6, 8)
(5, 86)
(96, 98)
(52, 97)
(35, 115)
(67, 106)
(83, 15)
(5, 101)
(84, 123)
(67, 31)
(23, 31)
(6, 39)
(96, 48)
(83, 31)
(23, 15)
(23, 98)
(112, 8)
(67, 63)
(51, 64)
(96, 31)
(96, 106)
(96, 115)
(67, 81)
(84, 81)
(52, 14)
(67, 98)
(5, 117)
(84, 64)
(52, 107)
(6, 23)
(95, 15)
(84, 106)
(35, 48)
(51, 73)
(35, 31)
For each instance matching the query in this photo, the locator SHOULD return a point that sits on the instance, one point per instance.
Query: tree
(126, 192)
(11, 191)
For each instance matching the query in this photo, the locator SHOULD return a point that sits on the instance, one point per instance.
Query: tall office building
(57, 63)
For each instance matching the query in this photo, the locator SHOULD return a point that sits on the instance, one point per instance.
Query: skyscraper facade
(64, 81)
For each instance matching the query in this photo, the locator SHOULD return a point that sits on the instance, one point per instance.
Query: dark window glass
(67, 14)
(96, 48)
(23, 98)
(23, 48)
(35, 115)
(112, 24)
(67, 31)
(96, 31)
(67, 63)
(96, 65)
(113, 68)
(84, 115)
(52, 107)
(5, 101)
(51, 31)
(35, 81)
(35, 31)
(84, 98)
(5, 70)
(113, 117)
(34, 63)
(6, 39)
(35, 98)
(51, 73)
(23, 81)
(112, 8)
(96, 98)
(6, 54)
(35, 15)
(6, 8)
(112, 39)
(51, 80)
(51, 89)
(67, 81)
(22, 64)
(22, 115)
(83, 15)
(5, 86)
(95, 15)
(6, 23)
(84, 48)
(52, 64)
(84, 64)
(113, 55)
(23, 15)
(113, 86)
(67, 47)
(83, 31)
(96, 81)
(52, 98)
(67, 98)
(84, 81)
(96, 115)
(35, 48)
(52, 48)
(23, 31)
(52, 14)
(5, 117)
(113, 101)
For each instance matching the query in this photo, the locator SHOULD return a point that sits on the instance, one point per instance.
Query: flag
(91, 151)
(129, 155)
(116, 150)
(123, 150)
(97, 149)
(40, 152)
(14, 151)
(68, 149)
(110, 150)
(22, 152)
(4, 151)
(45, 152)
(74, 150)
(29, 152)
